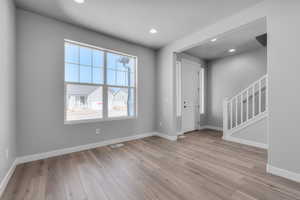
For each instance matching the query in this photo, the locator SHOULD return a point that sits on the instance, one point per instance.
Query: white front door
(190, 95)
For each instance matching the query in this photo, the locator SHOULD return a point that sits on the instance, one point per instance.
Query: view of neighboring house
(86, 102)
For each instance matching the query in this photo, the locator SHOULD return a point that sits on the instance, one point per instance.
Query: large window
(99, 84)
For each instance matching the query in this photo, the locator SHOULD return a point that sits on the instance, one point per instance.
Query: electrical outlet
(98, 131)
(160, 124)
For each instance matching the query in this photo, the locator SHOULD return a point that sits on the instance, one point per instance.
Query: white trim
(283, 173)
(166, 136)
(86, 121)
(4, 182)
(246, 142)
(216, 128)
(192, 62)
(180, 133)
(248, 123)
(97, 47)
(40, 156)
(59, 152)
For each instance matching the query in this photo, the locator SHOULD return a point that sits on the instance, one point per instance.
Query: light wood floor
(200, 166)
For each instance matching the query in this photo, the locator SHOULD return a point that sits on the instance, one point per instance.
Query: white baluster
(229, 105)
(242, 108)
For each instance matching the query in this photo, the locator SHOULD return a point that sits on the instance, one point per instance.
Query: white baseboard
(168, 137)
(283, 173)
(246, 142)
(180, 133)
(59, 152)
(39, 156)
(7, 177)
(216, 128)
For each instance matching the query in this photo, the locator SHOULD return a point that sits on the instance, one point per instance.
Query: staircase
(245, 109)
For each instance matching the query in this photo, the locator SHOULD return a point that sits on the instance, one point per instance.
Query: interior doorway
(236, 85)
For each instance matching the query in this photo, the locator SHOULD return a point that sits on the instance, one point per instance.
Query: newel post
(225, 116)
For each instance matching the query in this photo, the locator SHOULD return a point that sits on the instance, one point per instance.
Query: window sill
(86, 121)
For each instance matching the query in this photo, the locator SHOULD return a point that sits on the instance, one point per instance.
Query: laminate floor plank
(198, 166)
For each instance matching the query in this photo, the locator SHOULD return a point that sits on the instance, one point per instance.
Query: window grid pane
(71, 53)
(85, 56)
(120, 102)
(85, 74)
(84, 65)
(84, 102)
(120, 70)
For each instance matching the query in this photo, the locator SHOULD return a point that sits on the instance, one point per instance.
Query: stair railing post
(225, 116)
(242, 107)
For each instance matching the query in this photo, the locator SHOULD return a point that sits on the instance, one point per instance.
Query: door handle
(186, 106)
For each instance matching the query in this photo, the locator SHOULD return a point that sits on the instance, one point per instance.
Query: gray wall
(40, 87)
(166, 121)
(7, 86)
(228, 76)
(284, 84)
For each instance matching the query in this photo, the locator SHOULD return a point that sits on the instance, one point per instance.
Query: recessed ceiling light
(79, 1)
(153, 31)
(213, 40)
(231, 50)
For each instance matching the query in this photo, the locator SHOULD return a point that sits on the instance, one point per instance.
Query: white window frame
(104, 86)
